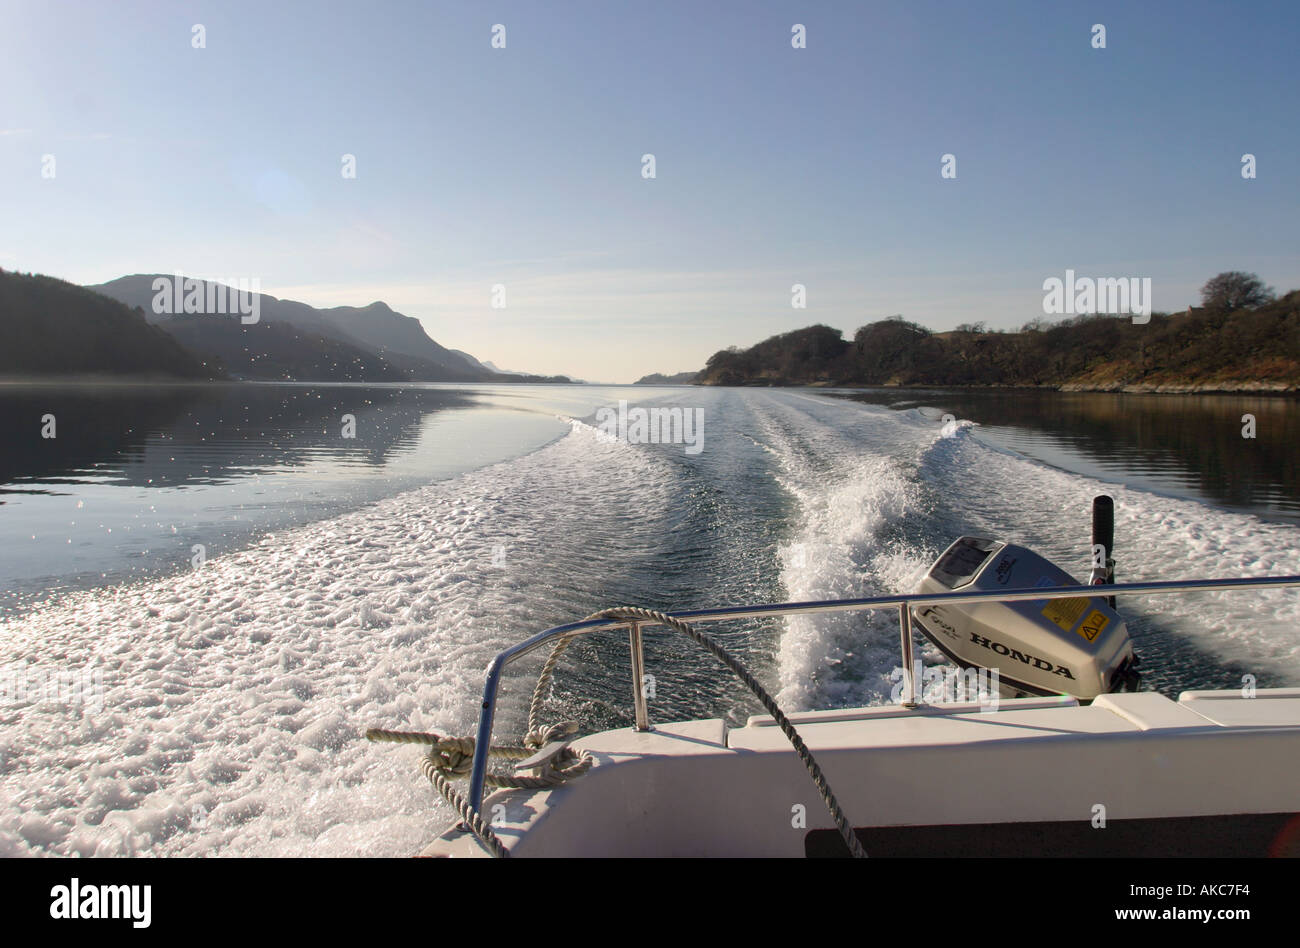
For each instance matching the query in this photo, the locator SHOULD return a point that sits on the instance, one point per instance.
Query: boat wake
(878, 493)
(232, 699)
(227, 705)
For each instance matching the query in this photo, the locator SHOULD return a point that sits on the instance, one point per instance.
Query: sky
(523, 166)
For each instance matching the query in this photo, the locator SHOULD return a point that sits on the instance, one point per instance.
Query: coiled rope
(453, 756)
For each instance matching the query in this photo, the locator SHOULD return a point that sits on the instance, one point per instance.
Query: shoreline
(1279, 389)
(173, 381)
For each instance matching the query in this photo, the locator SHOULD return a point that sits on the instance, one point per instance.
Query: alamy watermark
(653, 426)
(185, 295)
(944, 684)
(129, 902)
(1084, 295)
(34, 684)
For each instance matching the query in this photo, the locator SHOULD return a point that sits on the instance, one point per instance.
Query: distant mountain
(292, 340)
(492, 367)
(401, 340)
(511, 375)
(681, 378)
(474, 363)
(49, 327)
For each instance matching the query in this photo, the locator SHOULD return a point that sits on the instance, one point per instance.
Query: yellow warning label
(1066, 612)
(1093, 626)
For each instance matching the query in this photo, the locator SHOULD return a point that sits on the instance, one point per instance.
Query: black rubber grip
(1103, 524)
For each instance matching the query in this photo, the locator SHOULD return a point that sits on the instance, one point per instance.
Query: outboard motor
(1077, 646)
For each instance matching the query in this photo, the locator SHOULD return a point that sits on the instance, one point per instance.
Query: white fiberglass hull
(1215, 773)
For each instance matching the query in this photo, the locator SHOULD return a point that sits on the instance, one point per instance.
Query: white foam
(235, 697)
(846, 497)
(854, 482)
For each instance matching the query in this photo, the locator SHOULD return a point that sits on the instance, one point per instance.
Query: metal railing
(903, 603)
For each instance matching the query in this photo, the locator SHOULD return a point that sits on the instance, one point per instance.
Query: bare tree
(1234, 290)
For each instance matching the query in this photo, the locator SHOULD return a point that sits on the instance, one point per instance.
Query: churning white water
(225, 706)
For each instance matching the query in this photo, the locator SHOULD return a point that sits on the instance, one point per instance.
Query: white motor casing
(1077, 646)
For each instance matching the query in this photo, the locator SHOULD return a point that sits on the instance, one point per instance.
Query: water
(368, 581)
(1189, 445)
(136, 477)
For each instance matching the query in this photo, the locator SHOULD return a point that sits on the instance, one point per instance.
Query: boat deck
(1129, 774)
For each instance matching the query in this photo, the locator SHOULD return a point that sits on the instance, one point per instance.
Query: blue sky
(774, 166)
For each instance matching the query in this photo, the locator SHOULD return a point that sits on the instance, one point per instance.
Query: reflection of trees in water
(168, 436)
(1199, 434)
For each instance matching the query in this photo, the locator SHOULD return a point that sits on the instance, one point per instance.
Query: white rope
(451, 757)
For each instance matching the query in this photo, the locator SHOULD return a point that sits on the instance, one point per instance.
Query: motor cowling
(1075, 646)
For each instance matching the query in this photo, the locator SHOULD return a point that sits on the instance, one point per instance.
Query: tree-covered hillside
(52, 328)
(1209, 348)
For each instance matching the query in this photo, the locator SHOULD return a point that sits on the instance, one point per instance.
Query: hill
(51, 328)
(1254, 349)
(292, 340)
(681, 378)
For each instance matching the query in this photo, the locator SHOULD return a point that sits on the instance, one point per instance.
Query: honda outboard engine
(1075, 646)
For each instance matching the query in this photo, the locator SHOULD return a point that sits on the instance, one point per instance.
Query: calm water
(1188, 445)
(136, 476)
(353, 582)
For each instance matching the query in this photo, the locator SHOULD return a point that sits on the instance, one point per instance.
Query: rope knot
(453, 756)
(541, 736)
